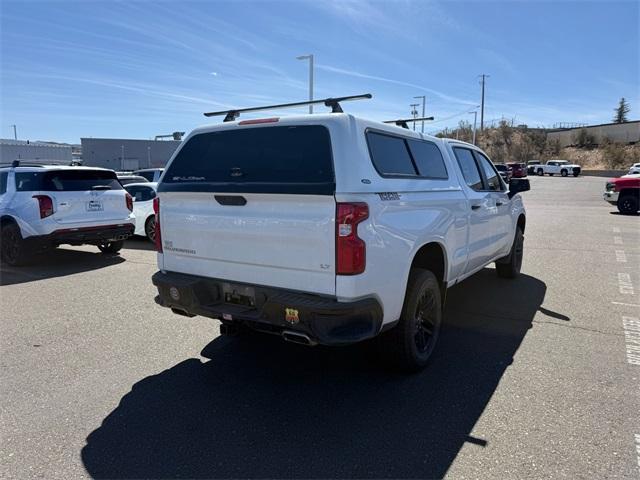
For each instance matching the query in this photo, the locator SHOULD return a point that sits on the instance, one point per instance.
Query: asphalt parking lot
(532, 378)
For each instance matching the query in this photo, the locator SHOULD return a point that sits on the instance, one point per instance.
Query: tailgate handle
(230, 200)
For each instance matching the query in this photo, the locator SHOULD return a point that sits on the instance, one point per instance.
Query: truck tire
(13, 250)
(411, 342)
(111, 247)
(509, 266)
(540, 172)
(564, 173)
(628, 204)
(150, 228)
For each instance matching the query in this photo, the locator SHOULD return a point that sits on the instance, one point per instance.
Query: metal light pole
(148, 157)
(475, 117)
(424, 99)
(122, 158)
(310, 57)
(414, 113)
(15, 133)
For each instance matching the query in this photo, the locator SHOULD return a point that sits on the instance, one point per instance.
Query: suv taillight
(129, 200)
(45, 204)
(156, 211)
(350, 249)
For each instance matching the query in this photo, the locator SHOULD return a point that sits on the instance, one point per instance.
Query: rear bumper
(83, 235)
(323, 319)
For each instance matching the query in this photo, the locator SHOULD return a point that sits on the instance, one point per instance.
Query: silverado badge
(291, 315)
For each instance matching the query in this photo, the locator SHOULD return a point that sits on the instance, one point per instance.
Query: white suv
(43, 207)
(330, 229)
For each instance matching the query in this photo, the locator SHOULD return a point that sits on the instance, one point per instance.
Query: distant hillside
(505, 143)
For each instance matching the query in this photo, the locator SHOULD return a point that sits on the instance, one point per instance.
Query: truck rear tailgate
(252, 205)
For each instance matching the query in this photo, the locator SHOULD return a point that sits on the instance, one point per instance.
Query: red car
(624, 193)
(518, 170)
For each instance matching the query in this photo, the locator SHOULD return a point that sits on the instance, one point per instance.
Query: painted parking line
(631, 327)
(624, 284)
(626, 304)
(621, 256)
(638, 449)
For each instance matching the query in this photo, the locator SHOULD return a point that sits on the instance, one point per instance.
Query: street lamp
(424, 99)
(310, 57)
(475, 117)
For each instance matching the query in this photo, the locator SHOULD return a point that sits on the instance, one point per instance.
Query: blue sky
(135, 69)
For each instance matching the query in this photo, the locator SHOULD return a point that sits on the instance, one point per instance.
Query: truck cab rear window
(255, 160)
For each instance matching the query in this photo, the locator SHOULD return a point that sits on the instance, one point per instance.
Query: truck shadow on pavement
(263, 408)
(59, 262)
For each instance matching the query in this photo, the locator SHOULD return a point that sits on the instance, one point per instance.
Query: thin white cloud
(437, 93)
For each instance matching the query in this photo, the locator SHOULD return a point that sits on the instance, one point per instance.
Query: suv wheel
(628, 204)
(564, 173)
(12, 247)
(540, 172)
(509, 266)
(411, 342)
(111, 247)
(150, 228)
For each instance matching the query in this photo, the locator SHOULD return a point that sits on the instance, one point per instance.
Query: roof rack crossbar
(334, 103)
(404, 122)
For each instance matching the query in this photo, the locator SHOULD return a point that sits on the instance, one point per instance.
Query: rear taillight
(129, 200)
(350, 249)
(45, 204)
(156, 211)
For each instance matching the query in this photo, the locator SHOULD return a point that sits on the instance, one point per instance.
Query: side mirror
(517, 185)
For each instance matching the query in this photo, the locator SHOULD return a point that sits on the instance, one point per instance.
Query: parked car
(531, 166)
(127, 179)
(143, 195)
(624, 193)
(561, 167)
(151, 174)
(336, 241)
(518, 170)
(43, 207)
(635, 168)
(504, 171)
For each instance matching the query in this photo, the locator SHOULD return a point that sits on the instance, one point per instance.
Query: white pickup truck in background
(558, 167)
(330, 229)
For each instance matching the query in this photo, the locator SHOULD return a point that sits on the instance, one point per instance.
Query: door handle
(475, 207)
(499, 204)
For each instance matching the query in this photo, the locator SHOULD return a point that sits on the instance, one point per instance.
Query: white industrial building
(41, 152)
(126, 154)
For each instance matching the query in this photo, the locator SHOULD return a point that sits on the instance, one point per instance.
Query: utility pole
(424, 99)
(310, 58)
(15, 133)
(122, 158)
(148, 157)
(483, 77)
(414, 113)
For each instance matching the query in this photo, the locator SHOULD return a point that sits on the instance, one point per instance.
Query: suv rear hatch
(252, 205)
(79, 195)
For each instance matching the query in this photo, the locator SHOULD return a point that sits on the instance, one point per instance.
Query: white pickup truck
(330, 229)
(560, 167)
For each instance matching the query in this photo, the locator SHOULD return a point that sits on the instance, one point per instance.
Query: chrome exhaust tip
(297, 337)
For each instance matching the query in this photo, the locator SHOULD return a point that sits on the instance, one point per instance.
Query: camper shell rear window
(275, 159)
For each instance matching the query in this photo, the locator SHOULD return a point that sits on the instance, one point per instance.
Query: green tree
(621, 111)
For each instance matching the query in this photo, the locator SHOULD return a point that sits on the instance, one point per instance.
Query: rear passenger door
(483, 216)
